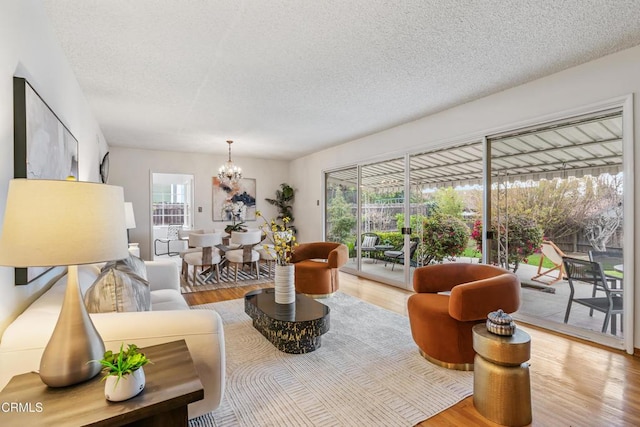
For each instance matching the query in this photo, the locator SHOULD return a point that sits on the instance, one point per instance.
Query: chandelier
(229, 173)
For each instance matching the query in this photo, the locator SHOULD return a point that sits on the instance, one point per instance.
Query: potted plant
(234, 211)
(283, 201)
(123, 373)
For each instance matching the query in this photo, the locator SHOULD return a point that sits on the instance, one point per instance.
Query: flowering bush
(525, 238)
(444, 236)
(282, 238)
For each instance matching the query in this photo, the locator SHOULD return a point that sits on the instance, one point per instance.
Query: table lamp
(55, 223)
(129, 218)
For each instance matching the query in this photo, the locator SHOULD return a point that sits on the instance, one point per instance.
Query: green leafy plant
(444, 236)
(235, 227)
(123, 362)
(283, 201)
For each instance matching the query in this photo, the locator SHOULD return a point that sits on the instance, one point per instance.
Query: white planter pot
(117, 390)
(285, 289)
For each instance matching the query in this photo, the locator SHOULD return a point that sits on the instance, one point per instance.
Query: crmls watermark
(21, 407)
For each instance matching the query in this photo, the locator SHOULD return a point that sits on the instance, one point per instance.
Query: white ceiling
(287, 78)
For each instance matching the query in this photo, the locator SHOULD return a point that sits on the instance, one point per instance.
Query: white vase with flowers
(283, 243)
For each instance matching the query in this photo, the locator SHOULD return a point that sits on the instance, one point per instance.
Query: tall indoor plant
(284, 202)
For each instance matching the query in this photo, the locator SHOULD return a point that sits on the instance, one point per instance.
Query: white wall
(28, 48)
(594, 82)
(132, 168)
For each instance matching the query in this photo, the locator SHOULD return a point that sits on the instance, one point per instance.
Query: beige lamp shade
(53, 223)
(129, 218)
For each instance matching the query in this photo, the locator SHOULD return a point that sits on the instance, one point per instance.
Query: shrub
(525, 238)
(444, 236)
(392, 238)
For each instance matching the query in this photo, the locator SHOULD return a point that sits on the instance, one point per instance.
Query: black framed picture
(104, 168)
(44, 148)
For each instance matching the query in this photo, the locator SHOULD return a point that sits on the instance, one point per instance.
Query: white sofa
(23, 341)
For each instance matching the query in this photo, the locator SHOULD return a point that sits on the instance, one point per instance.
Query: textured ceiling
(287, 78)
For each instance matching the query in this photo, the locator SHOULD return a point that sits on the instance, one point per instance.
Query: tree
(606, 215)
(563, 207)
(448, 202)
(341, 221)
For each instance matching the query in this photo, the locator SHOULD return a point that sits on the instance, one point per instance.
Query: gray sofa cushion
(118, 290)
(131, 264)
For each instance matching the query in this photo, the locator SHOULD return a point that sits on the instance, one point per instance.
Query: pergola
(587, 145)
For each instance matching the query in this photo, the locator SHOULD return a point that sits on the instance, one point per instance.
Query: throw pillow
(118, 290)
(368, 241)
(131, 264)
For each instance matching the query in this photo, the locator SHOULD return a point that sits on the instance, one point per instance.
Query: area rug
(367, 372)
(244, 279)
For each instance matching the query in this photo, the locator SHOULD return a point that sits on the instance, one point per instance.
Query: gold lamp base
(75, 347)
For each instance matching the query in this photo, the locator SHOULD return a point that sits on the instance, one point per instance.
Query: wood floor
(573, 383)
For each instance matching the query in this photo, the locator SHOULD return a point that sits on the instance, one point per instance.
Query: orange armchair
(317, 265)
(449, 300)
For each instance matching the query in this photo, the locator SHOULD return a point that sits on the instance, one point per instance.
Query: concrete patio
(539, 301)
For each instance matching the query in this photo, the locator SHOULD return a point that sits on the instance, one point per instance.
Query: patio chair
(397, 256)
(609, 260)
(369, 242)
(591, 272)
(554, 254)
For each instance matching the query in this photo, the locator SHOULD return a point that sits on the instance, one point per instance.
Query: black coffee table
(292, 328)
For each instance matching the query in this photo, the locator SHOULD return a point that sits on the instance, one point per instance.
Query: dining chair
(183, 235)
(245, 254)
(209, 256)
(590, 272)
(267, 252)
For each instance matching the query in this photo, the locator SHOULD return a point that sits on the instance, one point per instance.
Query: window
(172, 203)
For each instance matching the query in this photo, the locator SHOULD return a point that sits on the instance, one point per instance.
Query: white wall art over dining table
(234, 201)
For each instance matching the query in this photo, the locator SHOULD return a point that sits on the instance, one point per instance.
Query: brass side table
(501, 385)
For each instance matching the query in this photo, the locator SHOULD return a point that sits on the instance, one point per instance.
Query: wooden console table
(171, 384)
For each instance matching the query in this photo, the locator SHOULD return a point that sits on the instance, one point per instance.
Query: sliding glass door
(557, 191)
(522, 200)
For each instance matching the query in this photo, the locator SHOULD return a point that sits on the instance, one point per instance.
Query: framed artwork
(43, 148)
(234, 202)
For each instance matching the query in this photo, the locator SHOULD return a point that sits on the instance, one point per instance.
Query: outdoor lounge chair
(554, 254)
